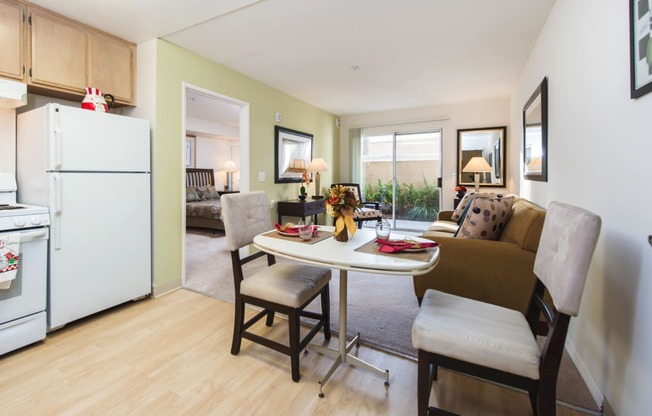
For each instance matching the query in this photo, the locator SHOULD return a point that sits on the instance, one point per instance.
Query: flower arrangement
(341, 203)
(460, 191)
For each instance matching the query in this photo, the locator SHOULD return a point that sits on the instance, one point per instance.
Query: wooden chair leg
(424, 383)
(293, 326)
(269, 321)
(547, 400)
(238, 323)
(326, 311)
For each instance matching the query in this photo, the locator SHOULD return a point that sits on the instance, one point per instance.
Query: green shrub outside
(413, 203)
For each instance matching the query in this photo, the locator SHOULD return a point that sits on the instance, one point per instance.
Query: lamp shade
(317, 165)
(477, 164)
(229, 166)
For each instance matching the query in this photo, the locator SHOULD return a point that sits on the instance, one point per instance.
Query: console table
(298, 208)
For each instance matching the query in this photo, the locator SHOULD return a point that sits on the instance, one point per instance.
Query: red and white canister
(94, 100)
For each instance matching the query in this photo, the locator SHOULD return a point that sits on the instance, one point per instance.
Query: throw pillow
(466, 200)
(191, 194)
(487, 217)
(207, 192)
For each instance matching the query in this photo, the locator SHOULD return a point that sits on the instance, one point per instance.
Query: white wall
(449, 118)
(600, 147)
(8, 140)
(213, 153)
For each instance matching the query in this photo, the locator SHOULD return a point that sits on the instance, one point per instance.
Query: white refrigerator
(92, 170)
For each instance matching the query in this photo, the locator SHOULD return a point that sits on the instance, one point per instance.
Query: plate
(288, 234)
(415, 250)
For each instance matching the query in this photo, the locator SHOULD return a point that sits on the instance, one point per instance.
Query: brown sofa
(498, 272)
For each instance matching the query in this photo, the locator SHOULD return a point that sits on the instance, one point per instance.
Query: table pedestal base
(342, 354)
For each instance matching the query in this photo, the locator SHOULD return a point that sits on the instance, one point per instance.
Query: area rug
(381, 308)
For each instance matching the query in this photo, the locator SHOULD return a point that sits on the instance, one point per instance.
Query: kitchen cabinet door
(112, 67)
(58, 52)
(12, 47)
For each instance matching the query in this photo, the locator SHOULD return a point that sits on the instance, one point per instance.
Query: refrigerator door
(100, 244)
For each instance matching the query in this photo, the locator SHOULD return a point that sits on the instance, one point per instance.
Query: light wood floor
(171, 356)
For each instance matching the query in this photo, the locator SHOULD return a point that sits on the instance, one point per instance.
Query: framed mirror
(293, 151)
(487, 143)
(535, 134)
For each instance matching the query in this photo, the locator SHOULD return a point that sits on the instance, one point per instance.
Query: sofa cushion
(464, 202)
(525, 226)
(487, 217)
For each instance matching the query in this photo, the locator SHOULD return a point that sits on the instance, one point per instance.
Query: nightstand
(220, 193)
(302, 209)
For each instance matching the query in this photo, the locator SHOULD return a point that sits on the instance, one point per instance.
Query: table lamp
(229, 167)
(317, 165)
(476, 165)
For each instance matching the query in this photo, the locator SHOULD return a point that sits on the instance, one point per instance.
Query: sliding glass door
(400, 170)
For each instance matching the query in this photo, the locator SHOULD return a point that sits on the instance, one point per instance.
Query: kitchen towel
(9, 249)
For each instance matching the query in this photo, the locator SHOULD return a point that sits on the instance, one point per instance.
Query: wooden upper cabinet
(57, 55)
(111, 64)
(64, 57)
(12, 40)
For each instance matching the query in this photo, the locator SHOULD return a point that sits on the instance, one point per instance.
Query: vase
(343, 236)
(460, 195)
(302, 197)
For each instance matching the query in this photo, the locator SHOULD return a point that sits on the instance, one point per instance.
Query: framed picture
(293, 151)
(640, 28)
(535, 134)
(190, 151)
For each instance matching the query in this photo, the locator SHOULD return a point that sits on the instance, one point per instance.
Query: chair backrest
(566, 247)
(355, 187)
(245, 215)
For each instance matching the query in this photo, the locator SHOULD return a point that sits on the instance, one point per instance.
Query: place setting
(405, 247)
(304, 232)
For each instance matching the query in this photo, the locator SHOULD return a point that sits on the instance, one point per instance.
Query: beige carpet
(382, 308)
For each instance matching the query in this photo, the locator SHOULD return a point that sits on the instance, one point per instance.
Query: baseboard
(584, 372)
(166, 288)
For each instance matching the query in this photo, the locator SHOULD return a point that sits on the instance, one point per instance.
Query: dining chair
(499, 344)
(286, 288)
(370, 211)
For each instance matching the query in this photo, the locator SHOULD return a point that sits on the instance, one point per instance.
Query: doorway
(216, 131)
(400, 170)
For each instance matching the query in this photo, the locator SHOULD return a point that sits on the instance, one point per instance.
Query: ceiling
(344, 56)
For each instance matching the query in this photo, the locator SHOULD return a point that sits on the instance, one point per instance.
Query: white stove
(24, 234)
(17, 216)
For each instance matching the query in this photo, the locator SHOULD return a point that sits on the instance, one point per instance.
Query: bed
(203, 208)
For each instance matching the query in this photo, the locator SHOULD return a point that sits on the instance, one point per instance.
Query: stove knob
(35, 220)
(19, 222)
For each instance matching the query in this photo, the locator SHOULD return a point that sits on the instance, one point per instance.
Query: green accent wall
(174, 66)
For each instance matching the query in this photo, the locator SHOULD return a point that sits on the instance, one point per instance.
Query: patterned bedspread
(211, 209)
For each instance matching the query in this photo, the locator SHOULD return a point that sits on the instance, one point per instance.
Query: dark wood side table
(298, 208)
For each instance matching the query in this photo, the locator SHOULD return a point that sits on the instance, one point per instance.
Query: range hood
(12, 94)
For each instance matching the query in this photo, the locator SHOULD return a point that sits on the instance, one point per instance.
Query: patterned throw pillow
(207, 192)
(191, 194)
(487, 217)
(466, 200)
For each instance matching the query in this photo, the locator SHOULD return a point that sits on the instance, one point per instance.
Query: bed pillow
(464, 202)
(487, 217)
(207, 192)
(191, 194)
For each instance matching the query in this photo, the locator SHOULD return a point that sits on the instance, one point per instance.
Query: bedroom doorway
(216, 131)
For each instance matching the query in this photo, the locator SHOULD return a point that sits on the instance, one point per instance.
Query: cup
(305, 231)
(383, 229)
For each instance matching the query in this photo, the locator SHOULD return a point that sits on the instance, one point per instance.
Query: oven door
(28, 292)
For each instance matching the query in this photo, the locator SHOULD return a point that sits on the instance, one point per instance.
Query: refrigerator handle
(57, 148)
(56, 217)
